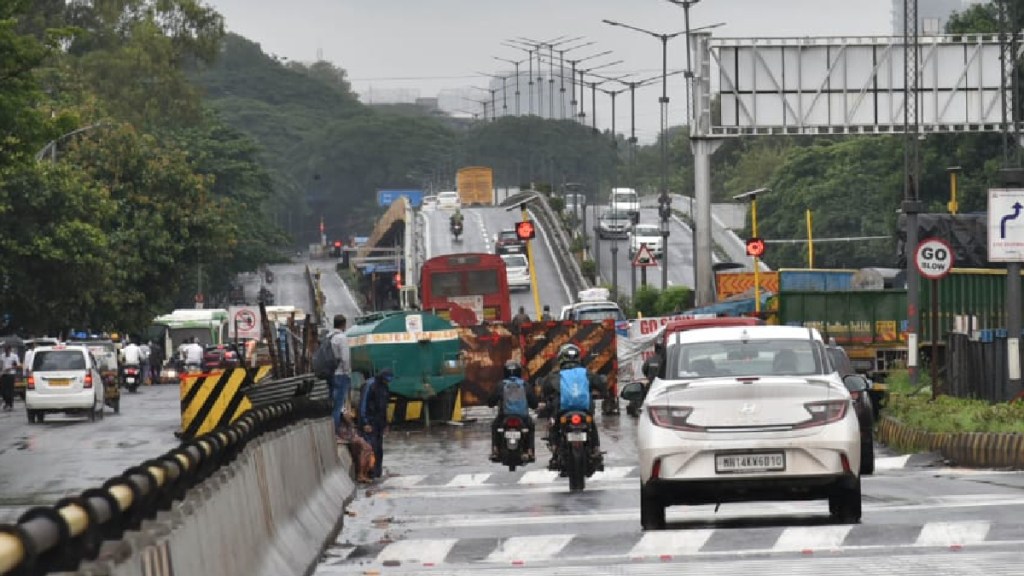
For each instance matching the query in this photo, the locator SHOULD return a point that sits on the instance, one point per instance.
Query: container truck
(475, 185)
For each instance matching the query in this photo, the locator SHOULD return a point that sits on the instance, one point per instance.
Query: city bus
(467, 289)
(210, 326)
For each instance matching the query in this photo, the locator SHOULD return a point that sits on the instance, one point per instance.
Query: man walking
(9, 365)
(341, 381)
(373, 415)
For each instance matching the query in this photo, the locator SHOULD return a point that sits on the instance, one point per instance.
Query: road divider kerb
(966, 449)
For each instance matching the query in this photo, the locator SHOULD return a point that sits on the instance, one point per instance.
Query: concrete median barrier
(270, 512)
(968, 449)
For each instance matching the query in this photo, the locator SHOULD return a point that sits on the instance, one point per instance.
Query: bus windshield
(475, 284)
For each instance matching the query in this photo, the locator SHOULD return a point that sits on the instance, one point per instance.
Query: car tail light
(673, 417)
(656, 469)
(88, 380)
(513, 422)
(845, 462)
(30, 383)
(825, 412)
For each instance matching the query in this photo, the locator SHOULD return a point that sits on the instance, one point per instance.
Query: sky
(407, 48)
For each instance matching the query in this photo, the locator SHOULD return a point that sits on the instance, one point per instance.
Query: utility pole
(911, 205)
(515, 63)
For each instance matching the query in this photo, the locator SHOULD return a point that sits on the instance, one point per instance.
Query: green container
(864, 318)
(969, 299)
(421, 349)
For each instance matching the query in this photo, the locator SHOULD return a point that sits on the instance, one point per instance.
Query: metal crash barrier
(58, 538)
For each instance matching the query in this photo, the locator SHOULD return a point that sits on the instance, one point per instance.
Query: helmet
(570, 353)
(513, 369)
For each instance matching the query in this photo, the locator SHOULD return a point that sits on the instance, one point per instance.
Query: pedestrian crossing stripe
(676, 543)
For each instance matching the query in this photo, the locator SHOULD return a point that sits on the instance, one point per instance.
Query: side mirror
(633, 392)
(855, 382)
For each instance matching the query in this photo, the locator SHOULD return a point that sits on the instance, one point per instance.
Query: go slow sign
(933, 258)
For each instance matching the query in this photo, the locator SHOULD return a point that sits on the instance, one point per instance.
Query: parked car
(859, 386)
(613, 225)
(429, 203)
(448, 200)
(747, 413)
(518, 271)
(509, 243)
(648, 234)
(64, 379)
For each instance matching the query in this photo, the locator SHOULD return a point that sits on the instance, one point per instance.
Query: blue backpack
(514, 397)
(574, 390)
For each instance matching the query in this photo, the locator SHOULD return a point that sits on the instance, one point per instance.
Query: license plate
(513, 434)
(743, 463)
(59, 382)
(130, 379)
(576, 436)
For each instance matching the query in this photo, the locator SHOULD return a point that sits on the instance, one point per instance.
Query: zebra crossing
(676, 544)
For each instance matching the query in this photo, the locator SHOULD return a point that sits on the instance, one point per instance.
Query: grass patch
(914, 407)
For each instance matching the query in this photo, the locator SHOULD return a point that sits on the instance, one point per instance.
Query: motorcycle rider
(512, 397)
(131, 357)
(571, 373)
(192, 355)
(455, 219)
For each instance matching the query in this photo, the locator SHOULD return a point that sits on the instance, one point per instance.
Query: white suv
(747, 413)
(64, 379)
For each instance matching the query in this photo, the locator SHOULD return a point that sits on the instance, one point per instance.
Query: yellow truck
(475, 185)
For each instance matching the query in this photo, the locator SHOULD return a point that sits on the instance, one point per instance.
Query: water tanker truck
(423, 352)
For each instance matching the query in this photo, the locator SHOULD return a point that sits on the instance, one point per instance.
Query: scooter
(574, 454)
(512, 442)
(132, 378)
(457, 231)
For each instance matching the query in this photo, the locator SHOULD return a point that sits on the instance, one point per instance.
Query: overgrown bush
(557, 204)
(589, 269)
(914, 407)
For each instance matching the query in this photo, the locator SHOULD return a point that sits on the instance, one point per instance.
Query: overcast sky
(426, 46)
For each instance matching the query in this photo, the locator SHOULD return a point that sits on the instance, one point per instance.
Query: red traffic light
(337, 243)
(755, 247)
(525, 230)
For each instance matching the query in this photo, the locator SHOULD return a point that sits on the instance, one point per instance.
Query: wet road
(444, 509)
(42, 463)
(482, 226)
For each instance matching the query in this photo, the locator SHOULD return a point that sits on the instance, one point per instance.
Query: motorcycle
(132, 378)
(457, 230)
(513, 447)
(574, 454)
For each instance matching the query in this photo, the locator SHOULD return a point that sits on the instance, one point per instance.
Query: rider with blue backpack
(512, 397)
(571, 388)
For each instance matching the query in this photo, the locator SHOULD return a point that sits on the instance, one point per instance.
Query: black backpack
(324, 362)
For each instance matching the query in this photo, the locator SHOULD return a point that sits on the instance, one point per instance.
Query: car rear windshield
(55, 360)
(646, 231)
(508, 235)
(515, 261)
(599, 314)
(790, 357)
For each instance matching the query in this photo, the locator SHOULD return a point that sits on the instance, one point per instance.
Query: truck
(625, 200)
(209, 326)
(475, 185)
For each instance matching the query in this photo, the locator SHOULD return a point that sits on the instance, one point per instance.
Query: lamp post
(755, 241)
(515, 63)
(664, 201)
(494, 108)
(583, 84)
(535, 47)
(504, 90)
(561, 73)
(572, 78)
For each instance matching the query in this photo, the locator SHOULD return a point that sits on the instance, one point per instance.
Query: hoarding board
(386, 197)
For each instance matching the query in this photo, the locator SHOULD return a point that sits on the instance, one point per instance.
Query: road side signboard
(1006, 225)
(644, 257)
(933, 258)
(246, 319)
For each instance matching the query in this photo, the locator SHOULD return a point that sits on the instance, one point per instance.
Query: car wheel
(40, 416)
(652, 511)
(117, 406)
(92, 414)
(31, 416)
(844, 504)
(867, 456)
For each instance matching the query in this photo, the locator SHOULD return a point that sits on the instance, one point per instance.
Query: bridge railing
(541, 211)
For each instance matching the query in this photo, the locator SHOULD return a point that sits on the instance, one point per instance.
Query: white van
(626, 200)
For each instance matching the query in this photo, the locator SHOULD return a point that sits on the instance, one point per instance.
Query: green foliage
(645, 300)
(589, 269)
(557, 204)
(951, 415)
(673, 300)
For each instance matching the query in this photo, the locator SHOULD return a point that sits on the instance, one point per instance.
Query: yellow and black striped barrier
(217, 398)
(970, 449)
(406, 410)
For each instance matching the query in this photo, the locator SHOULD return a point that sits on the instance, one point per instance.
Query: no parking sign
(244, 320)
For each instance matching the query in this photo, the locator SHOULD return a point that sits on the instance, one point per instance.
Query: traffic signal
(525, 230)
(398, 280)
(336, 248)
(755, 247)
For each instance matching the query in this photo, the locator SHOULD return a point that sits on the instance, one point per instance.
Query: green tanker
(421, 349)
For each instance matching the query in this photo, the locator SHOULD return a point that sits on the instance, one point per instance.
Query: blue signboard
(386, 197)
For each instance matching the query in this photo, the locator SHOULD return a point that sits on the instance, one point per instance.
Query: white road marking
(468, 480)
(891, 462)
(539, 477)
(529, 548)
(952, 533)
(478, 520)
(671, 542)
(423, 551)
(611, 473)
(812, 538)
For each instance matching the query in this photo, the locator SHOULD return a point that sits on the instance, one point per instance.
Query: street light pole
(515, 63)
(664, 201)
(751, 197)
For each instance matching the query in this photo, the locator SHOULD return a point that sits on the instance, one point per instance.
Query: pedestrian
(156, 361)
(363, 458)
(519, 319)
(144, 352)
(373, 415)
(341, 382)
(546, 315)
(9, 364)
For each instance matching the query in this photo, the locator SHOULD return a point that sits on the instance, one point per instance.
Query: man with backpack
(332, 362)
(512, 397)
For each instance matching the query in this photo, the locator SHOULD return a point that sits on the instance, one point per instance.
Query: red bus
(467, 289)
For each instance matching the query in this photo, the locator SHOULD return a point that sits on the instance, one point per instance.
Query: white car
(448, 201)
(64, 379)
(648, 234)
(747, 413)
(429, 204)
(518, 271)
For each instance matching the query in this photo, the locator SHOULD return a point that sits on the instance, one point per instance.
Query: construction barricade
(541, 341)
(213, 399)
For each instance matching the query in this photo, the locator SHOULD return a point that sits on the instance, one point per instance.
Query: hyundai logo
(748, 409)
